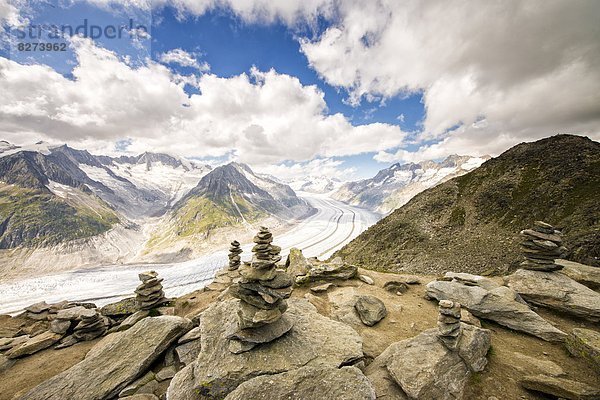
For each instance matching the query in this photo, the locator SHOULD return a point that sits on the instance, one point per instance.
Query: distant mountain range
(471, 223)
(57, 195)
(395, 186)
(316, 184)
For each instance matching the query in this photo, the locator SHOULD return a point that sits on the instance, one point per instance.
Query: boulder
(584, 274)
(115, 362)
(34, 344)
(313, 340)
(120, 309)
(488, 300)
(188, 352)
(370, 309)
(307, 383)
(585, 343)
(556, 291)
(425, 369)
(560, 387)
(296, 264)
(330, 271)
(396, 287)
(366, 279)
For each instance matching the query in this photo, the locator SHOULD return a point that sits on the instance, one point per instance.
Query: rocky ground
(335, 309)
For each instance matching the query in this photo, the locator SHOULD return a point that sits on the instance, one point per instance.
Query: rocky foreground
(306, 329)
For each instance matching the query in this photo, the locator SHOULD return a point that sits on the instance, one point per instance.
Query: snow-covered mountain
(315, 184)
(395, 186)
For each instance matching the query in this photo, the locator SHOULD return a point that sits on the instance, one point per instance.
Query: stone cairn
(91, 326)
(542, 245)
(449, 324)
(262, 290)
(149, 293)
(234, 255)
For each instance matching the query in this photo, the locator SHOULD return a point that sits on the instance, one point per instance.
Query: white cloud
(9, 13)
(184, 59)
(503, 72)
(262, 117)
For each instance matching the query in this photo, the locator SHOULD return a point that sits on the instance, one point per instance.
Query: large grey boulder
(584, 274)
(307, 383)
(370, 309)
(426, 369)
(560, 387)
(488, 300)
(556, 291)
(117, 360)
(328, 271)
(585, 343)
(313, 340)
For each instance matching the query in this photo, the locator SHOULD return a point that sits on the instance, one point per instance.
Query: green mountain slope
(37, 217)
(471, 223)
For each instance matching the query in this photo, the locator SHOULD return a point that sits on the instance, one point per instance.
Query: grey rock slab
(194, 334)
(370, 309)
(560, 387)
(121, 308)
(321, 288)
(116, 361)
(133, 319)
(6, 363)
(556, 291)
(166, 373)
(585, 343)
(307, 383)
(188, 352)
(528, 365)
(132, 388)
(501, 305)
(34, 344)
(584, 274)
(328, 272)
(74, 313)
(313, 340)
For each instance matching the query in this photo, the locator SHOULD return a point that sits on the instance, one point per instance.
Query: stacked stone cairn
(150, 294)
(449, 324)
(234, 255)
(92, 325)
(263, 291)
(542, 245)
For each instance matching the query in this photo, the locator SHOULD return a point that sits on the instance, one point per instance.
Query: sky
(295, 88)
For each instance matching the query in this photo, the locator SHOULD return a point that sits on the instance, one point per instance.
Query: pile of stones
(263, 291)
(542, 245)
(150, 294)
(234, 255)
(449, 328)
(92, 325)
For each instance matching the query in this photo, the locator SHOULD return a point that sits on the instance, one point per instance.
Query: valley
(320, 235)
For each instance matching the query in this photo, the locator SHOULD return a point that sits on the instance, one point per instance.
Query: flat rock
(34, 344)
(307, 383)
(585, 343)
(188, 352)
(556, 291)
(38, 307)
(528, 365)
(132, 388)
(116, 361)
(121, 308)
(166, 373)
(425, 369)
(500, 304)
(133, 319)
(74, 313)
(314, 340)
(321, 288)
(328, 272)
(560, 387)
(370, 309)
(194, 334)
(584, 274)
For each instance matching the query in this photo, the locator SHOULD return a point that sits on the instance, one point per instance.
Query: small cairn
(234, 255)
(542, 245)
(262, 290)
(449, 324)
(91, 326)
(149, 293)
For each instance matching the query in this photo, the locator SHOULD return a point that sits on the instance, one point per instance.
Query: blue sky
(296, 87)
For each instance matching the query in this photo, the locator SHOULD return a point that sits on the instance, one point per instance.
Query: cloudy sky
(296, 87)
